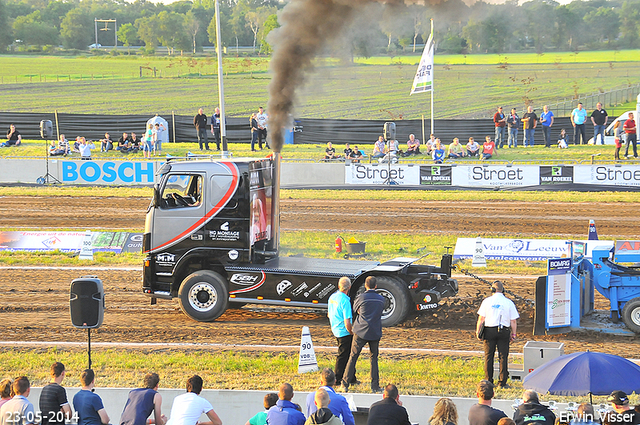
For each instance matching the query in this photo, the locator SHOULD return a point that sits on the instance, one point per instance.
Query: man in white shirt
(188, 407)
(498, 315)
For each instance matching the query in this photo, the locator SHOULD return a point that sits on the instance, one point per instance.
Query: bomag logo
(244, 279)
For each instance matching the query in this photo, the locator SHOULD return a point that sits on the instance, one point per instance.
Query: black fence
(311, 131)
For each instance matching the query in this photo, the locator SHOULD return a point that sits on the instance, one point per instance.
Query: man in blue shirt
(338, 405)
(546, 119)
(285, 412)
(339, 313)
(578, 119)
(87, 404)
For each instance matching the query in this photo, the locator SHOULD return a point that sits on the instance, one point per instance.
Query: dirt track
(34, 303)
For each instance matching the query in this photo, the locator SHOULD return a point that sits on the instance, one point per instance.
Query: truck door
(179, 218)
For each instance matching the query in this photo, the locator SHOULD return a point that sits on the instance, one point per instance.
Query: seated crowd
(389, 150)
(324, 406)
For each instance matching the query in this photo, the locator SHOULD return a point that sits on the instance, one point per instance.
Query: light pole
(223, 124)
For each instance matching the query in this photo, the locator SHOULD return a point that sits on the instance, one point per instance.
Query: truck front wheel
(631, 314)
(203, 296)
(396, 297)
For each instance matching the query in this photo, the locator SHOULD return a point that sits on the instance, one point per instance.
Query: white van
(609, 136)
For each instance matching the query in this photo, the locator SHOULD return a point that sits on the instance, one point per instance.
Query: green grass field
(466, 86)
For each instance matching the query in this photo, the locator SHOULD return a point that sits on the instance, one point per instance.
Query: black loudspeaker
(87, 302)
(389, 131)
(46, 129)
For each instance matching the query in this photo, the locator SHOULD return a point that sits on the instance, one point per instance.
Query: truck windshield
(181, 191)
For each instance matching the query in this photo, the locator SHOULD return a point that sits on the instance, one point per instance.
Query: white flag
(424, 75)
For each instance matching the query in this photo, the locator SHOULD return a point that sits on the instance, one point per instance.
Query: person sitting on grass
(378, 148)
(356, 154)
(106, 144)
(488, 148)
(260, 418)
(455, 149)
(13, 137)
(562, 140)
(473, 148)
(124, 143)
(85, 149)
(135, 143)
(347, 151)
(413, 146)
(330, 152)
(438, 152)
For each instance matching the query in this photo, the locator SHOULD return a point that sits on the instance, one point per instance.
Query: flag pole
(432, 87)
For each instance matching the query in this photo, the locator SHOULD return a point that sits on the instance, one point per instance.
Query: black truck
(211, 239)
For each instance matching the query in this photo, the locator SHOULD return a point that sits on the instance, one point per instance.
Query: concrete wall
(236, 407)
(294, 173)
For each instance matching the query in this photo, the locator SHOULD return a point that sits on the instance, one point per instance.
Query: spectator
(444, 413)
(482, 413)
(135, 143)
(61, 149)
(488, 148)
(473, 148)
(18, 410)
(330, 152)
(200, 123)
(215, 127)
(599, 118)
(54, 405)
(578, 119)
(367, 329)
(430, 145)
(562, 141)
(585, 415)
(513, 122)
(531, 412)
(158, 129)
(85, 149)
(622, 413)
(124, 143)
(188, 407)
(629, 128)
(546, 119)
(413, 146)
(106, 144)
(356, 155)
(500, 121)
(347, 151)
(88, 404)
(438, 152)
(338, 406)
(5, 391)
(389, 410)
(506, 421)
(323, 415)
(76, 144)
(340, 318)
(142, 401)
(147, 141)
(253, 124)
(455, 149)
(378, 148)
(260, 418)
(391, 152)
(498, 315)
(262, 118)
(617, 131)
(14, 138)
(285, 412)
(530, 122)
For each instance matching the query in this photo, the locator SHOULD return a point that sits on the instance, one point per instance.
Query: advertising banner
(556, 174)
(435, 175)
(513, 249)
(558, 292)
(496, 176)
(612, 175)
(107, 172)
(382, 174)
(65, 241)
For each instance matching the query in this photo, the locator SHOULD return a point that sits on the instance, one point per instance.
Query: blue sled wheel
(40, 180)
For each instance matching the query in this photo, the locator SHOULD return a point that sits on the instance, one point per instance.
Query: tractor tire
(203, 296)
(631, 314)
(397, 299)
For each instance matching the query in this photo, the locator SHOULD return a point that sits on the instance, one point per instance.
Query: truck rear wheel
(631, 314)
(203, 296)
(397, 299)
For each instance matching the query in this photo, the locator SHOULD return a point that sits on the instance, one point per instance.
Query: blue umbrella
(585, 373)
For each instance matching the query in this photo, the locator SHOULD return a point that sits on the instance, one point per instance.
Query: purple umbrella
(585, 373)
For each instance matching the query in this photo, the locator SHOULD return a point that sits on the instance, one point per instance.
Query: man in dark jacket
(389, 410)
(531, 412)
(367, 329)
(200, 123)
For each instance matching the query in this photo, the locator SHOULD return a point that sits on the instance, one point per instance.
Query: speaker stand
(89, 346)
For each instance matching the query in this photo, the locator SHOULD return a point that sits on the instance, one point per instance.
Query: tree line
(189, 25)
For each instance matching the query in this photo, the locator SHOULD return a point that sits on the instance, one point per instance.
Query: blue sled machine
(565, 297)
